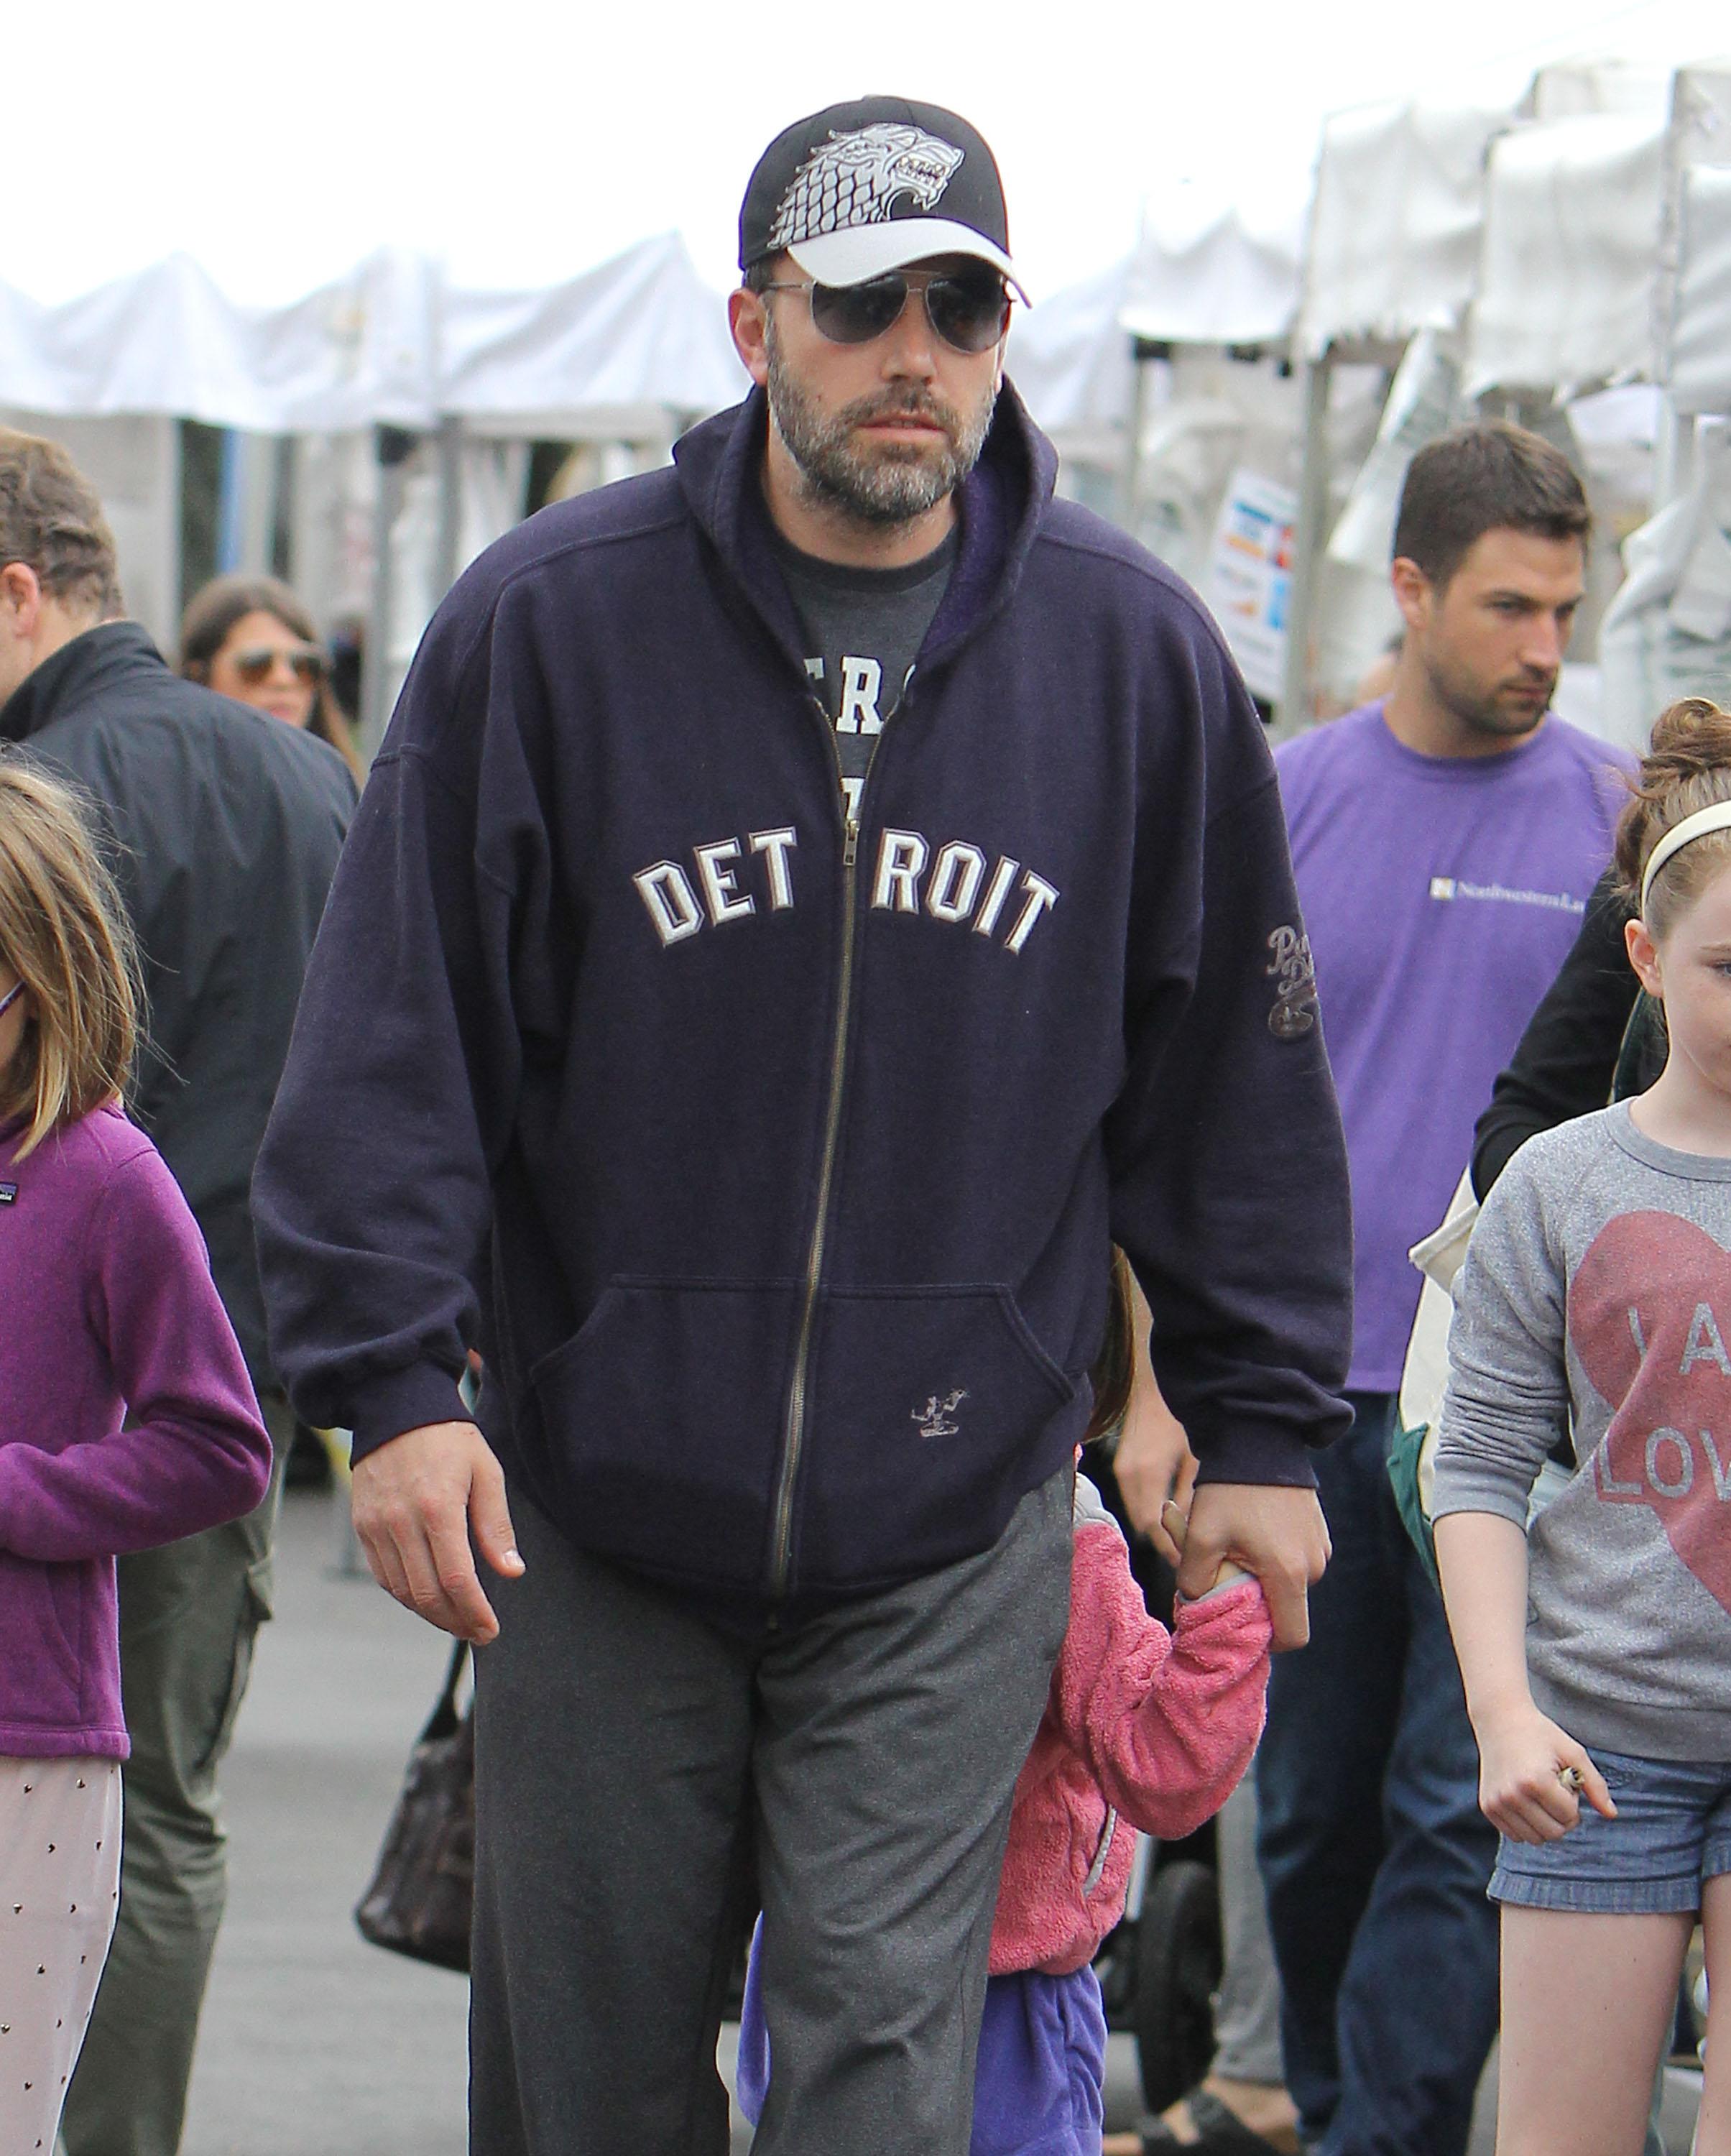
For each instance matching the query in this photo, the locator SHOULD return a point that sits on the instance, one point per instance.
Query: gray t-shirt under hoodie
(1595, 1302)
(863, 630)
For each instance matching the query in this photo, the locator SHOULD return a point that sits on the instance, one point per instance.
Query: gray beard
(896, 484)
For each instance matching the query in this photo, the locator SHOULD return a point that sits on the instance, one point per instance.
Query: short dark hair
(1490, 477)
(51, 520)
(764, 272)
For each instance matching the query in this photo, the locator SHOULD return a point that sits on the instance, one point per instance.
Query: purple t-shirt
(1441, 894)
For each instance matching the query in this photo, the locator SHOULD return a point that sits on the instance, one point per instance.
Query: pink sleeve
(193, 1452)
(1167, 1723)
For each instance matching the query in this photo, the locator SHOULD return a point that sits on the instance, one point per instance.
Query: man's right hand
(416, 1501)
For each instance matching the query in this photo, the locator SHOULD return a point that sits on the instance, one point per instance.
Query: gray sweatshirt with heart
(1595, 1305)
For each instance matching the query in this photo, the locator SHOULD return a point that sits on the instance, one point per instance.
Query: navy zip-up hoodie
(771, 1164)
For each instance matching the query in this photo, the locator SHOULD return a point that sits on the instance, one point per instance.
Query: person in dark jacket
(1568, 1058)
(225, 826)
(810, 902)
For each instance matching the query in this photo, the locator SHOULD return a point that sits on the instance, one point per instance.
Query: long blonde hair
(63, 932)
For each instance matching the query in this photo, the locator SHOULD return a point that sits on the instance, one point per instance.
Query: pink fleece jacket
(1142, 1726)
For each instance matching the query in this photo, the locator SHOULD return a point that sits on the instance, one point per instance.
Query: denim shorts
(1672, 1830)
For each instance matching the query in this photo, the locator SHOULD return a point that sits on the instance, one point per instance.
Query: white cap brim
(873, 250)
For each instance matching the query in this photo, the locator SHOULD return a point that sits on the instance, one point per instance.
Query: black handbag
(422, 1897)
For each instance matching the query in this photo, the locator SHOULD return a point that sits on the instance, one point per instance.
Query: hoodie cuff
(1267, 1453)
(385, 1407)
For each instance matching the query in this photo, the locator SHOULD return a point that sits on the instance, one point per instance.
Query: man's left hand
(1277, 1533)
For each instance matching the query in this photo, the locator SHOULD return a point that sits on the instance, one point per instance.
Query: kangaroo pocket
(662, 1419)
(934, 1409)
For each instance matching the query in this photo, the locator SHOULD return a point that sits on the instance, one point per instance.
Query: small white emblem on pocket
(934, 1418)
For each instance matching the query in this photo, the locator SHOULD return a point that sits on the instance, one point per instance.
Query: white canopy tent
(1573, 210)
(627, 353)
(166, 341)
(1393, 241)
(1215, 281)
(1698, 369)
(610, 354)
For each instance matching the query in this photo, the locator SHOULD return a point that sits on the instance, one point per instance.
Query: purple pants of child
(1039, 2075)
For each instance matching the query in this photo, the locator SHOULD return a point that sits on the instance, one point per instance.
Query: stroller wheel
(1178, 1962)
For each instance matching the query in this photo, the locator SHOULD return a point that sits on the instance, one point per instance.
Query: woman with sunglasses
(250, 638)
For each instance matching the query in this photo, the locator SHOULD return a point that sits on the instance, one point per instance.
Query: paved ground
(314, 2043)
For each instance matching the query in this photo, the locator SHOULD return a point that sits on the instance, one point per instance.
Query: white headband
(1716, 819)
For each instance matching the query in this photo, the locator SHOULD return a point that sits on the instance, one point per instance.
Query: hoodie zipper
(794, 1433)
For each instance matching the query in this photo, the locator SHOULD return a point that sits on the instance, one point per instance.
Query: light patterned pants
(59, 1881)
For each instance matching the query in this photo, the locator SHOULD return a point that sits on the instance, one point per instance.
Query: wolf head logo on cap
(855, 178)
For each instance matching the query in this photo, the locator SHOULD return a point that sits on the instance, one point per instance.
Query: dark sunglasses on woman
(968, 309)
(305, 662)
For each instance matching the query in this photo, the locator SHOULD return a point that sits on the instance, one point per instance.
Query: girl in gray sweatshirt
(1595, 1308)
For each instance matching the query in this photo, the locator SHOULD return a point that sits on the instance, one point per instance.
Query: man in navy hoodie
(810, 902)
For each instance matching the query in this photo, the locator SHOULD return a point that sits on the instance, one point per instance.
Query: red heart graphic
(1648, 1309)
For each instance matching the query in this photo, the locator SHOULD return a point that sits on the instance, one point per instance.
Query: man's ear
(1644, 957)
(1414, 593)
(20, 599)
(748, 318)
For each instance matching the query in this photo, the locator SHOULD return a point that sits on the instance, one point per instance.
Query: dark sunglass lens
(252, 666)
(969, 312)
(309, 666)
(855, 313)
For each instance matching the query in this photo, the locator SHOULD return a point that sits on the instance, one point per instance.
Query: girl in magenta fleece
(126, 1419)
(1142, 1728)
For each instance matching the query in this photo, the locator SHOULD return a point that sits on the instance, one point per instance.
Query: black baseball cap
(860, 189)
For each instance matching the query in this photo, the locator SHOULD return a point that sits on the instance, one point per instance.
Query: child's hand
(1531, 1776)
(1176, 1528)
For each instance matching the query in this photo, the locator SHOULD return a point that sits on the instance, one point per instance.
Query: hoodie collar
(1001, 505)
(94, 659)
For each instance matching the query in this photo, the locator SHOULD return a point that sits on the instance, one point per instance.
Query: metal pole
(1293, 711)
(1143, 352)
(392, 448)
(447, 563)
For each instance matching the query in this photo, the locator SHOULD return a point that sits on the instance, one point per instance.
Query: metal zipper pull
(850, 844)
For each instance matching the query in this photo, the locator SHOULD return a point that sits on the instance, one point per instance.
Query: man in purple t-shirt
(1445, 840)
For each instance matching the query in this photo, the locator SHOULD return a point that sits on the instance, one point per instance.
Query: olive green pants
(189, 1614)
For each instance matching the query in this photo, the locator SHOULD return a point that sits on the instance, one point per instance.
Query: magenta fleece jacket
(126, 1416)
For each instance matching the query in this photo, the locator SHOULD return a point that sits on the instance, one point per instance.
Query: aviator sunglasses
(305, 662)
(968, 309)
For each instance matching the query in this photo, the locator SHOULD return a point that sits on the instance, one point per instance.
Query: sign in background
(1250, 576)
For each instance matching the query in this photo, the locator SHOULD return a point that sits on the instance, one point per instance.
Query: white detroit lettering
(666, 891)
(732, 880)
(957, 875)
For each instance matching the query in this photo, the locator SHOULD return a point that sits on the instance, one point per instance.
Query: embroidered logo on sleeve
(1646, 1308)
(1294, 971)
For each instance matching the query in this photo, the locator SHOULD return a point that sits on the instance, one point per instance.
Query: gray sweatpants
(643, 1780)
(1246, 2010)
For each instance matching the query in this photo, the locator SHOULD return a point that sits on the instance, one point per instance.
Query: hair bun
(1689, 767)
(1690, 738)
